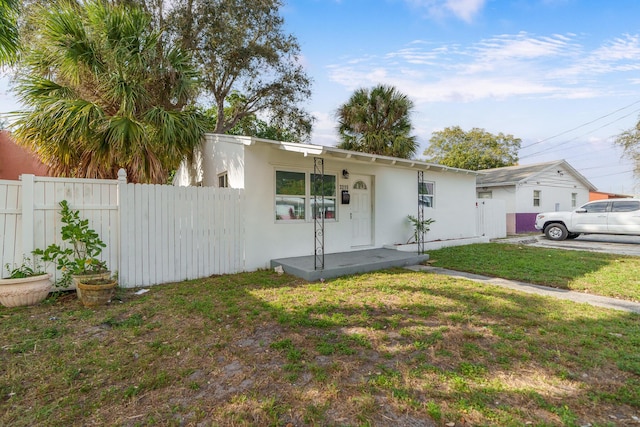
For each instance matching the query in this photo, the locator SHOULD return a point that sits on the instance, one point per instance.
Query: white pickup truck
(612, 216)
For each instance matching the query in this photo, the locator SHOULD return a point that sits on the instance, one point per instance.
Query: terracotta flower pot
(26, 291)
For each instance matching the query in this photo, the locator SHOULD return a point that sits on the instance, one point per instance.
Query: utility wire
(612, 174)
(582, 125)
(577, 137)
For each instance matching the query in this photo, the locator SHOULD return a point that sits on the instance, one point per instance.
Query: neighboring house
(16, 160)
(531, 189)
(601, 195)
(367, 197)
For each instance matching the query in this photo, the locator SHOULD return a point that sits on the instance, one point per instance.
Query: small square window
(536, 197)
(223, 180)
(426, 193)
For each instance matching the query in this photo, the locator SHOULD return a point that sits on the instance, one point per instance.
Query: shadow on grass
(387, 348)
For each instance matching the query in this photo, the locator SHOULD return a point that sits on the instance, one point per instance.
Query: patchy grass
(597, 273)
(391, 348)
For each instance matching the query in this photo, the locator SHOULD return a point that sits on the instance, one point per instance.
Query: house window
(426, 193)
(536, 197)
(328, 189)
(223, 180)
(294, 196)
(574, 200)
(290, 195)
(485, 195)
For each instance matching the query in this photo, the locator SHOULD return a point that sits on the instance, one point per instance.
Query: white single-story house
(531, 189)
(367, 197)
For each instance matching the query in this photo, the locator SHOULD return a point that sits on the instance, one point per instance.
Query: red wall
(16, 160)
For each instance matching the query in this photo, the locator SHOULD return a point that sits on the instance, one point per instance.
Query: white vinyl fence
(154, 233)
(179, 233)
(491, 218)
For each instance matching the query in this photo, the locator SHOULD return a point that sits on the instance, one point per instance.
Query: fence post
(122, 183)
(27, 214)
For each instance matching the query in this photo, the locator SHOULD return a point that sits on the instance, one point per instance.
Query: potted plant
(77, 258)
(26, 284)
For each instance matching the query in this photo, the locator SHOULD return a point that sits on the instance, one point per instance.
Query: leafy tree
(251, 125)
(240, 47)
(377, 121)
(476, 149)
(9, 38)
(630, 143)
(104, 92)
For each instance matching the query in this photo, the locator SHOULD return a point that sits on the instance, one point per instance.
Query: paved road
(624, 245)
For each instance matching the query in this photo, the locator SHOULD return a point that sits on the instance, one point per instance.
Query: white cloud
(465, 10)
(500, 67)
(324, 129)
(618, 55)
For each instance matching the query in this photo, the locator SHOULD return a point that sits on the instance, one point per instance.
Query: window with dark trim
(294, 196)
(223, 180)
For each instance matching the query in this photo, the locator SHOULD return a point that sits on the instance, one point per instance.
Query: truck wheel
(556, 232)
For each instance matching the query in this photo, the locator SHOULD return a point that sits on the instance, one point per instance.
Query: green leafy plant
(82, 246)
(420, 227)
(29, 267)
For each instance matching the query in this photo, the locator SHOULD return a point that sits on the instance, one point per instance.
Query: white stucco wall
(394, 196)
(253, 166)
(506, 193)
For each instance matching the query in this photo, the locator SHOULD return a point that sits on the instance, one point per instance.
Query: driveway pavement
(623, 245)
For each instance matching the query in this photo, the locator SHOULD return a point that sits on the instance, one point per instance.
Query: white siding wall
(555, 188)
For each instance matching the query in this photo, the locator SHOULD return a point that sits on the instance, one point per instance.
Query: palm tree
(106, 91)
(8, 30)
(377, 121)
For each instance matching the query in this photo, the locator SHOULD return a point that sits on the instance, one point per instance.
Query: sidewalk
(606, 302)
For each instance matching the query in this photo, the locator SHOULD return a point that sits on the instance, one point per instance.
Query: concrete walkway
(606, 302)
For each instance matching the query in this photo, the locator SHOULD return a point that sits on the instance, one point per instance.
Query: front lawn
(596, 273)
(394, 348)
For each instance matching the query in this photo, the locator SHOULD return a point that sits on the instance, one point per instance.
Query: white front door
(360, 206)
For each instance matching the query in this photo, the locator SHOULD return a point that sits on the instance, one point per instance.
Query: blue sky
(562, 75)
